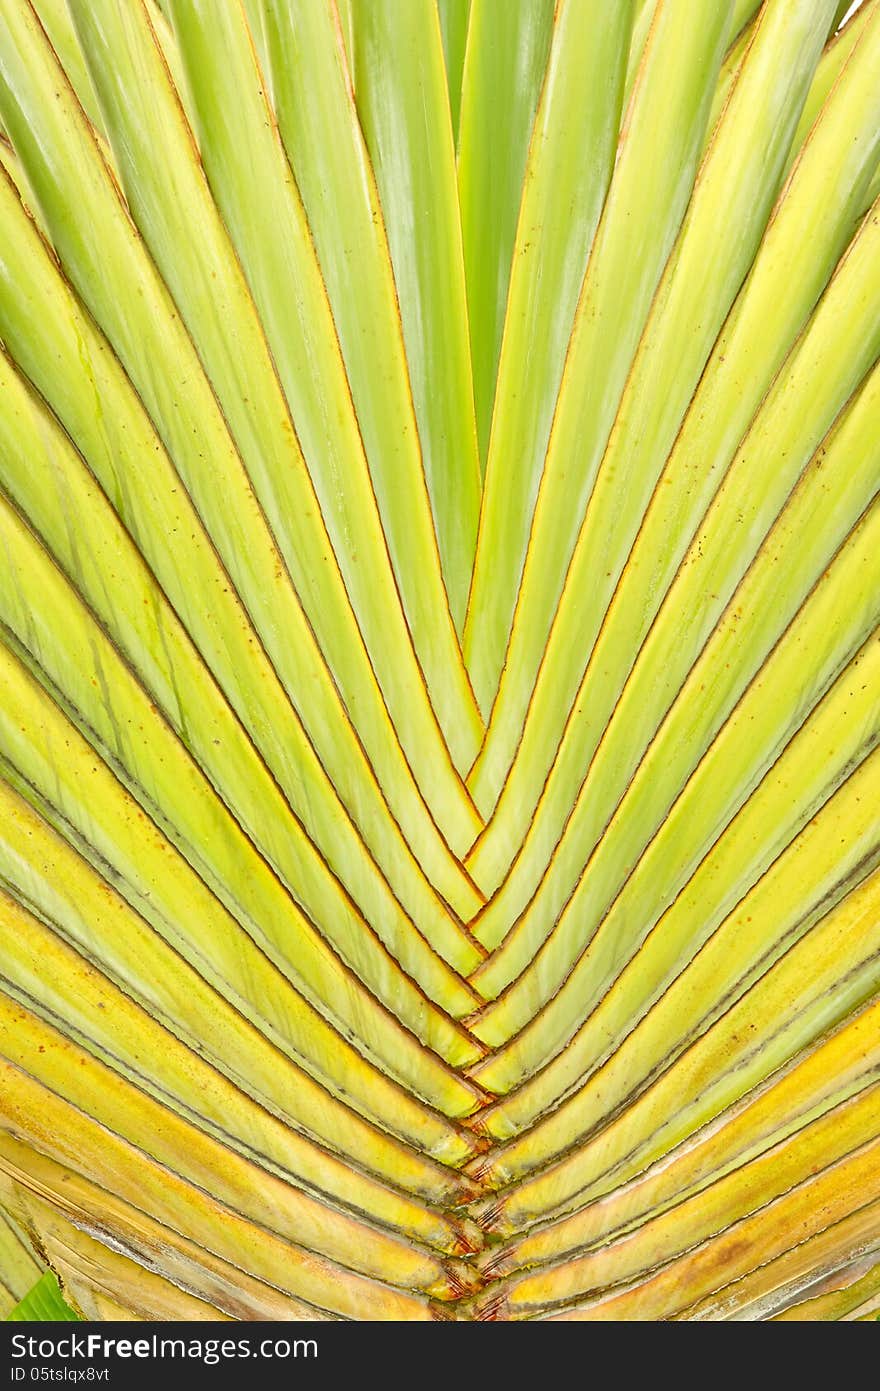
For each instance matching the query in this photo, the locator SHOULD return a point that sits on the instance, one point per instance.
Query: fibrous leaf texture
(439, 658)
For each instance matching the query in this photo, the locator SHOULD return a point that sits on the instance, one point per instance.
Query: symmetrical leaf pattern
(439, 661)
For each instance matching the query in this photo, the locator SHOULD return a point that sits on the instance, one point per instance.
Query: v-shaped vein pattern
(439, 662)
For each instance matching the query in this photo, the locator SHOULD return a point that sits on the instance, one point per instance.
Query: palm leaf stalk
(439, 663)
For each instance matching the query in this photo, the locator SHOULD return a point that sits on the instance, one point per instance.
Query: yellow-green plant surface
(439, 658)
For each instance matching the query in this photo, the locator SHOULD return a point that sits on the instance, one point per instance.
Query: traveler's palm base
(440, 681)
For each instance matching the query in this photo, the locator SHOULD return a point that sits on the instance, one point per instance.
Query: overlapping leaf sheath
(439, 658)
(19, 1262)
